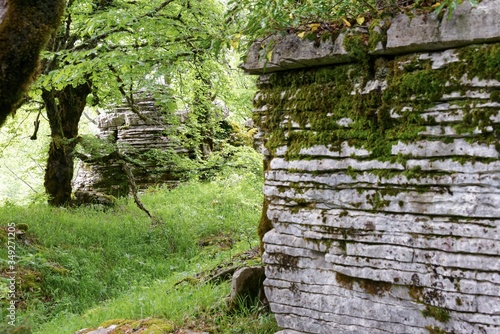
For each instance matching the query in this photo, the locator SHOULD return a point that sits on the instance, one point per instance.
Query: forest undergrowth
(81, 267)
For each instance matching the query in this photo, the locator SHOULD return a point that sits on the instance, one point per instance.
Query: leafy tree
(108, 50)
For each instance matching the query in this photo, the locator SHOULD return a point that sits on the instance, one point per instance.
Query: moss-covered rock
(123, 326)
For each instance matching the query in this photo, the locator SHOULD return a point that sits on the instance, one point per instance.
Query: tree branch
(36, 123)
(160, 7)
(133, 188)
(19, 178)
(128, 98)
(151, 14)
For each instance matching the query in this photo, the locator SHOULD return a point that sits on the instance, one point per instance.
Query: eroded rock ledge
(383, 178)
(403, 34)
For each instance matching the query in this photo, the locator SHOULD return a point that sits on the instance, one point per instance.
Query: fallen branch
(20, 178)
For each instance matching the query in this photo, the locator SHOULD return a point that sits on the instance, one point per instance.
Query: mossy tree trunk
(25, 28)
(64, 109)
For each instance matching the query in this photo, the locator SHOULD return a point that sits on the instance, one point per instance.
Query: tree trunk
(25, 28)
(64, 110)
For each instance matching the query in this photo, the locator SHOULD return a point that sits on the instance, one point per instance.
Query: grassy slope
(80, 267)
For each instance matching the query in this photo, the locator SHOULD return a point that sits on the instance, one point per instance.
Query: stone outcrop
(246, 286)
(403, 34)
(134, 135)
(383, 178)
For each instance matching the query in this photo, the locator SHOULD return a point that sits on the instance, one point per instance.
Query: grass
(78, 268)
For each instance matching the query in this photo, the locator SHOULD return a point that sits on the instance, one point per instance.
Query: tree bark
(64, 110)
(25, 27)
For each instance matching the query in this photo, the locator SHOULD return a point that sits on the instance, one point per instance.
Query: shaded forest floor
(88, 267)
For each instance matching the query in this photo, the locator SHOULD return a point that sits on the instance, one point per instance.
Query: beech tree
(108, 50)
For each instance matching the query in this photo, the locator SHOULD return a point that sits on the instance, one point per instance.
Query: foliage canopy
(128, 46)
(108, 52)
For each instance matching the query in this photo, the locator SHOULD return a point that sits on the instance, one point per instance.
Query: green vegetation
(438, 313)
(307, 97)
(115, 52)
(78, 268)
(81, 267)
(21, 159)
(256, 19)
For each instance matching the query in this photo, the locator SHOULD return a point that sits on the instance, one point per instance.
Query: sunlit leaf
(360, 20)
(235, 43)
(347, 23)
(314, 26)
(301, 34)
(269, 55)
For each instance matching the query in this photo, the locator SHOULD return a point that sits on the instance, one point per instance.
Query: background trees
(106, 52)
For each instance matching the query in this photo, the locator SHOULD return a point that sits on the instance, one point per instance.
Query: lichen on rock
(382, 182)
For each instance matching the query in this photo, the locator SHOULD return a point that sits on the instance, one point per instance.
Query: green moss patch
(304, 108)
(437, 313)
(370, 286)
(144, 326)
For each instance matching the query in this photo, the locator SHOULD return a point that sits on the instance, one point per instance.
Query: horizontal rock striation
(135, 134)
(383, 182)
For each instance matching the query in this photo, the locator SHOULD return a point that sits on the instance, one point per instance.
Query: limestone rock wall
(383, 178)
(134, 136)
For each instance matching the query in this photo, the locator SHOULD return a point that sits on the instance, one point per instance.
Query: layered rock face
(383, 178)
(135, 136)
